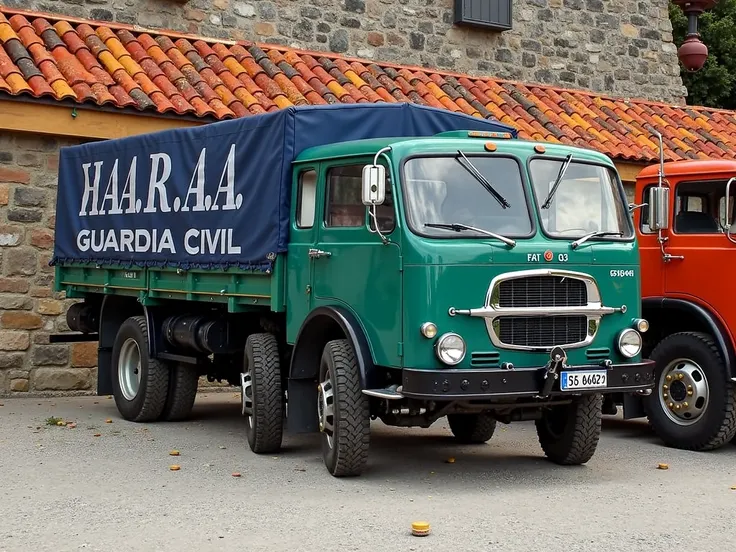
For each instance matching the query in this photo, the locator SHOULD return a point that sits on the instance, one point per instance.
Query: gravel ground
(65, 488)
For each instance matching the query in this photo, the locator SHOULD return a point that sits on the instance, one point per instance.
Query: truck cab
(687, 248)
(494, 280)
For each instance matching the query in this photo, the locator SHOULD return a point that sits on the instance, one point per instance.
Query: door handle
(317, 253)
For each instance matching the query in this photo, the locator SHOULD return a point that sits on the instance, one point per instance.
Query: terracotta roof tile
(91, 62)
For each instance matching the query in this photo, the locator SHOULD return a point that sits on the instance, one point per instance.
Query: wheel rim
(129, 369)
(683, 391)
(246, 396)
(326, 408)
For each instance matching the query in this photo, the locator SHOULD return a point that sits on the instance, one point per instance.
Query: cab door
(696, 233)
(351, 266)
(302, 235)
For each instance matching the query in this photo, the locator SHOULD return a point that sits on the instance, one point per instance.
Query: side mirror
(659, 205)
(727, 206)
(374, 184)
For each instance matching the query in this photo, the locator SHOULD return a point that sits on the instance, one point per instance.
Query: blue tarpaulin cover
(213, 196)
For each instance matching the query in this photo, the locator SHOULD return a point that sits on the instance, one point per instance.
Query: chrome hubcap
(683, 391)
(246, 395)
(129, 369)
(326, 408)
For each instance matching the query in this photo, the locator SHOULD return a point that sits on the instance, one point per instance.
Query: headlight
(629, 343)
(450, 349)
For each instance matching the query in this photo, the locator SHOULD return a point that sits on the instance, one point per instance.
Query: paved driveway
(66, 489)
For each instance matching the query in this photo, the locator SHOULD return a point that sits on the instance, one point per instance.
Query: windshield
(446, 190)
(586, 199)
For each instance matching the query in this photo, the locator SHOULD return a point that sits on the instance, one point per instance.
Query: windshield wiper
(483, 180)
(556, 185)
(457, 227)
(598, 234)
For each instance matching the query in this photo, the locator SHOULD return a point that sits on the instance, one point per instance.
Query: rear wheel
(344, 418)
(472, 428)
(183, 383)
(261, 394)
(693, 406)
(569, 433)
(140, 383)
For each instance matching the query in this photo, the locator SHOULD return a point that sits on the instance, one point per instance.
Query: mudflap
(302, 406)
(633, 406)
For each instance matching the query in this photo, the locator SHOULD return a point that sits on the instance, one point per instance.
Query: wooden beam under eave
(629, 171)
(55, 120)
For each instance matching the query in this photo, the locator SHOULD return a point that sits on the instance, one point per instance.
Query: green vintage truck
(347, 263)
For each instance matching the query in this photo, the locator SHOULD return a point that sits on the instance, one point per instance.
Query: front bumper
(518, 383)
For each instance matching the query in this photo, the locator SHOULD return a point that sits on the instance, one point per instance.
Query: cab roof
(690, 168)
(445, 142)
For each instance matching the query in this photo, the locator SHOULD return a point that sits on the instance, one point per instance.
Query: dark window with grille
(489, 14)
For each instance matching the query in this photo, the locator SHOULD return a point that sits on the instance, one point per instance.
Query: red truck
(683, 215)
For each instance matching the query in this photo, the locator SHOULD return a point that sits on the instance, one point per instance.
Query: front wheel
(569, 433)
(140, 383)
(261, 394)
(693, 405)
(343, 410)
(472, 428)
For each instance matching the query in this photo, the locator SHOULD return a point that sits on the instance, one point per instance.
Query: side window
(722, 210)
(691, 214)
(643, 226)
(307, 199)
(345, 207)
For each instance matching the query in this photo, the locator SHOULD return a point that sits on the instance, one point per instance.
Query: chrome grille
(542, 331)
(542, 291)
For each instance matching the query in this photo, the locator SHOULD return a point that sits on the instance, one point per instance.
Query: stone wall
(29, 310)
(623, 47)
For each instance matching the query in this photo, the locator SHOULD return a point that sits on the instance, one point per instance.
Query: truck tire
(472, 428)
(700, 385)
(183, 383)
(569, 433)
(262, 397)
(343, 410)
(140, 383)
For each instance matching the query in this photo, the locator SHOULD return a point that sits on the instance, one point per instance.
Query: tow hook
(557, 358)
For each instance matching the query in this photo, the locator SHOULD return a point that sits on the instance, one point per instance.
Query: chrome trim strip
(491, 311)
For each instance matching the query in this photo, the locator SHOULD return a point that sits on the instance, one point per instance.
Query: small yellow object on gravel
(450, 460)
(60, 423)
(733, 488)
(108, 421)
(174, 453)
(663, 467)
(420, 528)
(174, 467)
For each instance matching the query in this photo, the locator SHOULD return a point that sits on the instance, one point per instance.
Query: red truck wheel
(140, 383)
(344, 418)
(693, 405)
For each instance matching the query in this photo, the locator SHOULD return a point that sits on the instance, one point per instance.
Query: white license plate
(592, 379)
